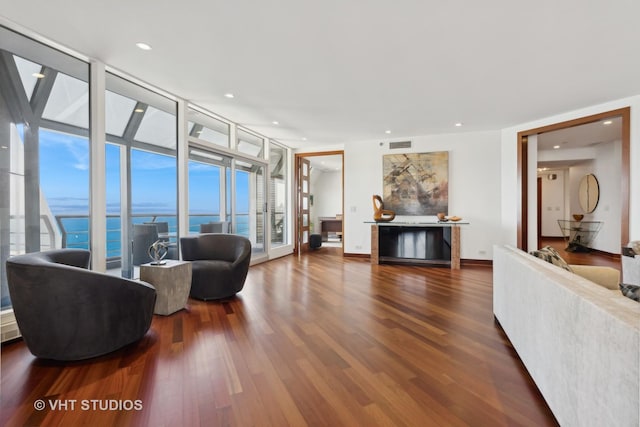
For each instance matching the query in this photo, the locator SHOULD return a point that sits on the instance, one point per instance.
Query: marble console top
(420, 224)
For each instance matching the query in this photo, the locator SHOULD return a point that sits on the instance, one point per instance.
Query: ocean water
(77, 229)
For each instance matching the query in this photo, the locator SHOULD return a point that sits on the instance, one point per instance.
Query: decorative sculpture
(380, 214)
(157, 251)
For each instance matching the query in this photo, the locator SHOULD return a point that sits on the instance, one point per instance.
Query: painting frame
(416, 184)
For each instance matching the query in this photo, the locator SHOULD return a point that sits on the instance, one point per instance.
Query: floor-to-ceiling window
(141, 173)
(250, 189)
(44, 150)
(45, 154)
(227, 181)
(207, 170)
(206, 188)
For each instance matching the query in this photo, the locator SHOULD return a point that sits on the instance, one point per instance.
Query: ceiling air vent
(399, 144)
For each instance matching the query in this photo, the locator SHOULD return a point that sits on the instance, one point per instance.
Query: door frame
(523, 169)
(296, 186)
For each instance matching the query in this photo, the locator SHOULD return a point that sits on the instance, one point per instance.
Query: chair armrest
(604, 276)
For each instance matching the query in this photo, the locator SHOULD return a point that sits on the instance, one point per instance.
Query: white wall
(604, 167)
(326, 187)
(553, 203)
(474, 187)
(483, 181)
(510, 203)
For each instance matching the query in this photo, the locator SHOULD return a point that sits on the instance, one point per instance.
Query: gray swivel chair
(216, 227)
(67, 312)
(219, 264)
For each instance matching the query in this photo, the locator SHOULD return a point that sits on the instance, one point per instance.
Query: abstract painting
(416, 183)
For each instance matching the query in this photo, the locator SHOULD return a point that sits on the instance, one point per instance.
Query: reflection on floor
(591, 258)
(331, 243)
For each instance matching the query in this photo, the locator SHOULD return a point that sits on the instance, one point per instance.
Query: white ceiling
(329, 163)
(582, 136)
(605, 131)
(338, 71)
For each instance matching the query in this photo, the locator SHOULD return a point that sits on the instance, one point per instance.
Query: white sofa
(630, 267)
(579, 341)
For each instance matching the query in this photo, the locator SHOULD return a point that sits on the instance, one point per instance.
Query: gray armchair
(216, 227)
(66, 312)
(219, 264)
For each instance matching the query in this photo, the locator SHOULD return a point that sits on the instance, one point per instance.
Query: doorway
(319, 183)
(523, 169)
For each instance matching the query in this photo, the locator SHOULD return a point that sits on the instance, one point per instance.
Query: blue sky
(64, 179)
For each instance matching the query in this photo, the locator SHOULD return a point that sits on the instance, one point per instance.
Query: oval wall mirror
(589, 193)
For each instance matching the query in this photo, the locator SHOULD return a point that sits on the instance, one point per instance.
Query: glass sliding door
(141, 161)
(207, 170)
(207, 193)
(224, 186)
(250, 203)
(278, 202)
(44, 150)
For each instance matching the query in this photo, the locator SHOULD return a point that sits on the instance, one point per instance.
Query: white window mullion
(97, 146)
(183, 170)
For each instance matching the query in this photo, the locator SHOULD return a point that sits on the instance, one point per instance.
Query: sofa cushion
(607, 277)
(630, 291)
(552, 256)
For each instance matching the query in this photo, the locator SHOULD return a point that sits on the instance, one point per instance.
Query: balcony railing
(73, 230)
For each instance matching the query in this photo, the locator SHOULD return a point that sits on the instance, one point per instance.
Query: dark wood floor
(581, 258)
(319, 340)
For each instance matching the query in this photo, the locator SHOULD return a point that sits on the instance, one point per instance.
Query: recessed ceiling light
(229, 95)
(275, 122)
(304, 139)
(143, 46)
(138, 110)
(555, 147)
(387, 131)
(458, 124)
(38, 75)
(607, 122)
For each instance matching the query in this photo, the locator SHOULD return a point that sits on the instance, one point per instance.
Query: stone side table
(172, 282)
